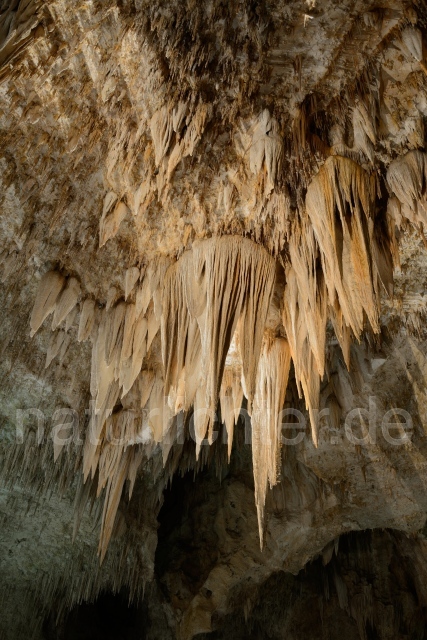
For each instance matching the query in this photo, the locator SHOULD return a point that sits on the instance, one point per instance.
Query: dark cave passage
(187, 542)
(110, 617)
(369, 585)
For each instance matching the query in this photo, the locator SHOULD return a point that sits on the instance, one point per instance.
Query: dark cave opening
(187, 541)
(109, 617)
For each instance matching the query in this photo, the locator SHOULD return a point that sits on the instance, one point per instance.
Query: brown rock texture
(213, 224)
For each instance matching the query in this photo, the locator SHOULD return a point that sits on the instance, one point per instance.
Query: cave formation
(213, 240)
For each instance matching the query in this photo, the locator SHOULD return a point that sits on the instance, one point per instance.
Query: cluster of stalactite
(192, 334)
(192, 331)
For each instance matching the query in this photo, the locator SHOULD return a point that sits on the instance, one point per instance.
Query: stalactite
(218, 283)
(261, 147)
(364, 131)
(87, 320)
(55, 344)
(231, 396)
(114, 325)
(407, 179)
(161, 126)
(271, 384)
(411, 44)
(110, 222)
(335, 270)
(340, 205)
(49, 289)
(131, 278)
(131, 367)
(71, 317)
(305, 326)
(128, 333)
(66, 302)
(123, 469)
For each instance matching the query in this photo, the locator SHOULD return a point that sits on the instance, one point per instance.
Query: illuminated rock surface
(211, 210)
